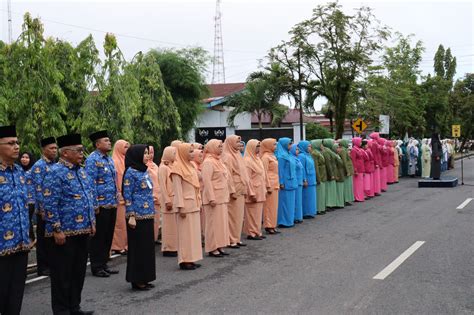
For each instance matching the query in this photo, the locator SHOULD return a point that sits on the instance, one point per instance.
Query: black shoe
(197, 265)
(241, 244)
(270, 231)
(135, 287)
(111, 271)
(298, 221)
(348, 204)
(43, 273)
(170, 254)
(236, 246)
(275, 231)
(322, 212)
(211, 254)
(101, 274)
(308, 217)
(187, 266)
(223, 253)
(150, 285)
(262, 237)
(81, 312)
(254, 238)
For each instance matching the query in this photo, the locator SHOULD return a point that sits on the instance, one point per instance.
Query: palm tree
(260, 97)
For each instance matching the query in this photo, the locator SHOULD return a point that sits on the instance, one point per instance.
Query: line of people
(199, 196)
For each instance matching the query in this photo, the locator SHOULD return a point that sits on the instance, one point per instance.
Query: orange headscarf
(212, 149)
(197, 146)
(267, 147)
(169, 156)
(183, 167)
(118, 156)
(176, 143)
(251, 158)
(233, 158)
(153, 172)
(198, 159)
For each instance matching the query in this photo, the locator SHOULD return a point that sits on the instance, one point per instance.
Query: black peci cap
(98, 135)
(68, 140)
(7, 131)
(46, 141)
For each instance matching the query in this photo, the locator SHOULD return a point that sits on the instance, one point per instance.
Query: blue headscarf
(282, 153)
(309, 164)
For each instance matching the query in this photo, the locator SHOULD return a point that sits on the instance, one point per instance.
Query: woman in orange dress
(153, 173)
(169, 234)
(186, 190)
(215, 197)
(235, 164)
(270, 163)
(119, 242)
(258, 188)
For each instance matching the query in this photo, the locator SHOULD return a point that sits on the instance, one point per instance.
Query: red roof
(225, 89)
(293, 116)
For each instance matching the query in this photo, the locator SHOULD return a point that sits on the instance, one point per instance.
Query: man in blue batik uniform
(14, 224)
(69, 204)
(100, 168)
(38, 172)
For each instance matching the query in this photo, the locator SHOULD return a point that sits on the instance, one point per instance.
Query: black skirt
(141, 267)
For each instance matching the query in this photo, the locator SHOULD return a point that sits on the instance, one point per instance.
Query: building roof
(293, 116)
(218, 92)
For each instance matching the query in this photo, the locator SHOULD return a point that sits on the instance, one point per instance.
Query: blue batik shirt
(38, 173)
(14, 219)
(31, 200)
(101, 170)
(68, 200)
(138, 194)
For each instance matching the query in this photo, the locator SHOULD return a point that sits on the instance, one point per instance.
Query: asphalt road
(323, 266)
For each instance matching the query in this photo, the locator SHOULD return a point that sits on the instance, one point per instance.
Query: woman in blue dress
(288, 183)
(309, 191)
(295, 151)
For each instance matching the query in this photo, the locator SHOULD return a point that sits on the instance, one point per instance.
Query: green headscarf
(316, 144)
(344, 143)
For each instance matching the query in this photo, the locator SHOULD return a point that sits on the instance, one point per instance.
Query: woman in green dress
(330, 161)
(340, 175)
(349, 171)
(321, 174)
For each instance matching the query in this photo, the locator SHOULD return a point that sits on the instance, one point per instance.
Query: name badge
(149, 183)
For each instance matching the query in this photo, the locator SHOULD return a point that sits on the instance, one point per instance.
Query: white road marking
(44, 277)
(465, 203)
(397, 262)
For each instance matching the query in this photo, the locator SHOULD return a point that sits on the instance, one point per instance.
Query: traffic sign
(456, 131)
(359, 126)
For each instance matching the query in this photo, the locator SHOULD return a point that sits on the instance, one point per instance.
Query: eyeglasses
(11, 143)
(78, 150)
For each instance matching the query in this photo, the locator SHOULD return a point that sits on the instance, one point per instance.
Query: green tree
(32, 97)
(462, 103)
(333, 49)
(114, 100)
(316, 131)
(157, 122)
(183, 75)
(260, 97)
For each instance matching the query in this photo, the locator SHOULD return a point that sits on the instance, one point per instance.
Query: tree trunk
(260, 127)
(340, 111)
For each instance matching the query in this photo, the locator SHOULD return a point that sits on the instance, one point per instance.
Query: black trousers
(31, 212)
(12, 282)
(67, 264)
(41, 246)
(100, 244)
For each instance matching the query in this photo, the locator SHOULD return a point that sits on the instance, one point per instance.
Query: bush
(316, 131)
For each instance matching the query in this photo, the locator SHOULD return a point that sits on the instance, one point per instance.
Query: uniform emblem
(22, 179)
(47, 168)
(70, 176)
(101, 198)
(37, 170)
(128, 203)
(145, 205)
(2, 180)
(28, 181)
(79, 219)
(100, 181)
(77, 197)
(47, 193)
(38, 188)
(50, 215)
(8, 235)
(143, 185)
(126, 182)
(30, 196)
(7, 207)
(83, 174)
(99, 164)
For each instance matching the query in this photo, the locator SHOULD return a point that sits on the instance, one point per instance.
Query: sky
(250, 27)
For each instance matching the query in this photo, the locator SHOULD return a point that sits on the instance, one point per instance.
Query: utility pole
(218, 69)
(300, 97)
(9, 8)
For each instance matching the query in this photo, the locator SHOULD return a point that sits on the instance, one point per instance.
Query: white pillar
(296, 132)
